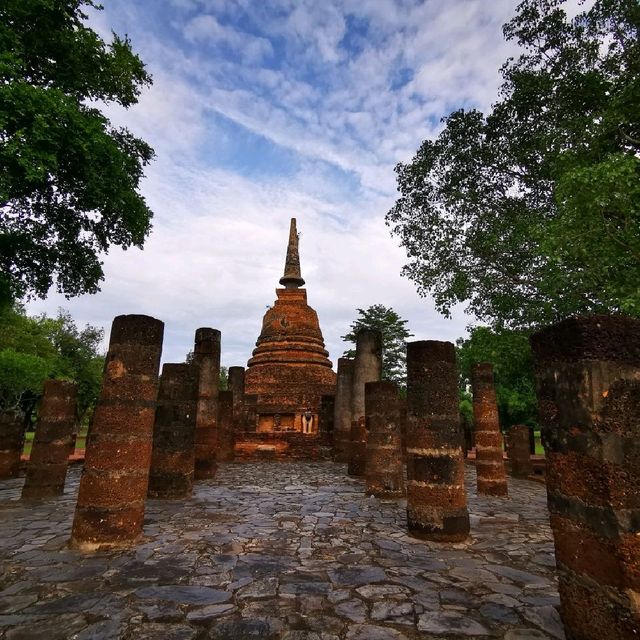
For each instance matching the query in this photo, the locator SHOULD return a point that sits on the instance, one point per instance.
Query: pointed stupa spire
(292, 279)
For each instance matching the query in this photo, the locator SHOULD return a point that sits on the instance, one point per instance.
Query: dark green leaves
(510, 354)
(394, 337)
(531, 213)
(68, 180)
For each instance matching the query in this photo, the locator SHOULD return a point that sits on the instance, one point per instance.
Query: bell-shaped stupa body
(290, 369)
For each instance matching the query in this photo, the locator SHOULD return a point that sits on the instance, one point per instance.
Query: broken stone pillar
(436, 497)
(325, 420)
(367, 367)
(113, 487)
(47, 468)
(518, 451)
(226, 432)
(11, 442)
(588, 384)
(342, 411)
(206, 355)
(236, 386)
(173, 458)
(384, 416)
(490, 473)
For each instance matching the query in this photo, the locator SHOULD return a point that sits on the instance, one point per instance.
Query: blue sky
(265, 110)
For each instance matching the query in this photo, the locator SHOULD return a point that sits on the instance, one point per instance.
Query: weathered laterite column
(113, 487)
(47, 468)
(490, 473)
(206, 356)
(384, 416)
(436, 498)
(367, 367)
(327, 409)
(236, 386)
(358, 447)
(173, 457)
(588, 378)
(342, 411)
(518, 451)
(226, 431)
(403, 429)
(11, 442)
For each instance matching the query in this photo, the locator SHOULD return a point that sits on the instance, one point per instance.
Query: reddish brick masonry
(342, 410)
(385, 414)
(367, 367)
(588, 377)
(57, 419)
(206, 356)
(436, 497)
(173, 457)
(113, 487)
(490, 473)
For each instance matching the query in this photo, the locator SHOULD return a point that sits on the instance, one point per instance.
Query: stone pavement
(294, 551)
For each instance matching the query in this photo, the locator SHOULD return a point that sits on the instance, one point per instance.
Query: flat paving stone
(449, 623)
(181, 594)
(289, 551)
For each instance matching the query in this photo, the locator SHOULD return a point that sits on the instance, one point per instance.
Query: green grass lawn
(539, 447)
(28, 443)
(81, 441)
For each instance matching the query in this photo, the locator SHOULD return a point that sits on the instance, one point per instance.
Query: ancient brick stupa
(290, 370)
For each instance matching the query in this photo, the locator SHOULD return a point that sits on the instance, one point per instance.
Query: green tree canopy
(78, 356)
(39, 347)
(510, 354)
(68, 179)
(223, 383)
(394, 339)
(532, 212)
(21, 378)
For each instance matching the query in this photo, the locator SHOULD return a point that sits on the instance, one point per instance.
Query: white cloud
(205, 28)
(283, 71)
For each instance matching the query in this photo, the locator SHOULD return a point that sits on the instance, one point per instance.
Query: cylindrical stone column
(588, 384)
(436, 497)
(206, 356)
(384, 416)
(173, 458)
(490, 473)
(113, 487)
(226, 432)
(342, 411)
(518, 451)
(357, 448)
(47, 468)
(325, 419)
(11, 442)
(236, 386)
(367, 367)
